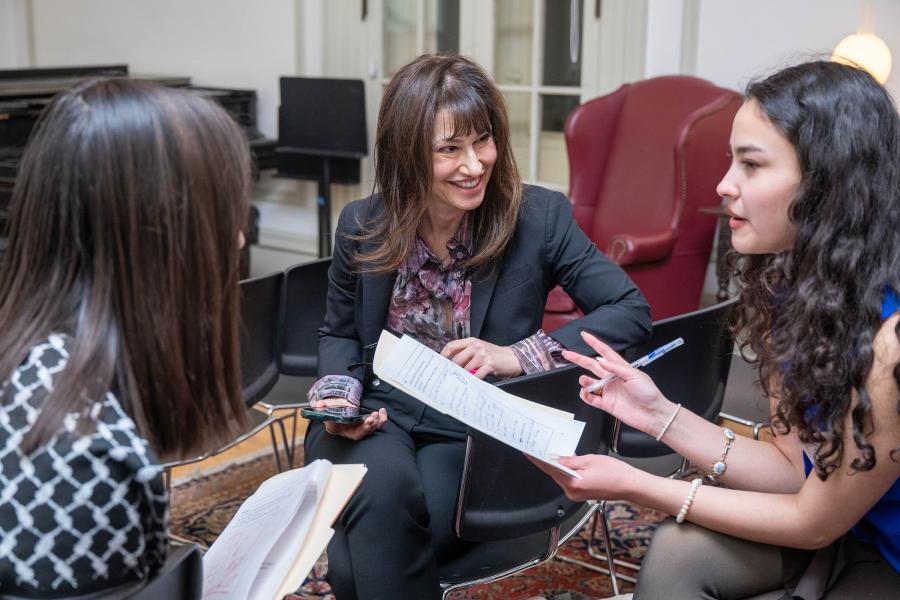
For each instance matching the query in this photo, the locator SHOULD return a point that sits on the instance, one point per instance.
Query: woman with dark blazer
(458, 253)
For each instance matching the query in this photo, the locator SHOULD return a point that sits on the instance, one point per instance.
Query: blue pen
(641, 362)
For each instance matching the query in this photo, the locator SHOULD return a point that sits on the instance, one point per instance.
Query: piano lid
(44, 82)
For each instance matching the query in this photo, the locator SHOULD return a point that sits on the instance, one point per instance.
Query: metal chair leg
(605, 557)
(288, 448)
(610, 563)
(294, 435)
(277, 452)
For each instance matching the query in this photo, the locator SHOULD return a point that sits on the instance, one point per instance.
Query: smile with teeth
(467, 184)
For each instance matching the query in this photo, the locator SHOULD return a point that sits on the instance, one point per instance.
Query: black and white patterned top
(84, 512)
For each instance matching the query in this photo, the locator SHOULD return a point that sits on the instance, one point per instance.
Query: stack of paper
(537, 430)
(278, 533)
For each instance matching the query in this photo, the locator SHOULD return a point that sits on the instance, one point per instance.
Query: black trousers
(399, 524)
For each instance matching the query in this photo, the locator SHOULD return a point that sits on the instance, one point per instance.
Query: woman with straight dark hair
(814, 196)
(454, 251)
(119, 338)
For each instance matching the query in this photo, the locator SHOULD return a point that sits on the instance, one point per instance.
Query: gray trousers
(688, 561)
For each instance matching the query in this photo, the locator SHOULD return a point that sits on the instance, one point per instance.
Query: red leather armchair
(642, 161)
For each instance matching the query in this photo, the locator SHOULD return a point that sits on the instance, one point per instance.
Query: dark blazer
(507, 305)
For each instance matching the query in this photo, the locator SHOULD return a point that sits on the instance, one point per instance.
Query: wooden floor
(257, 445)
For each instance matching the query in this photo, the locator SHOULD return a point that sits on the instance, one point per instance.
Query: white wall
(740, 40)
(664, 33)
(219, 43)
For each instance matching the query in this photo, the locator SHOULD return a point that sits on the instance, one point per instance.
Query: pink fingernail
(473, 371)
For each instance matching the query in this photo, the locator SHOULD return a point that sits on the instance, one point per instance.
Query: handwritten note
(448, 388)
(246, 559)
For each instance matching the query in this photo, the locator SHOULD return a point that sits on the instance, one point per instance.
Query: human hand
(483, 358)
(633, 398)
(602, 477)
(353, 431)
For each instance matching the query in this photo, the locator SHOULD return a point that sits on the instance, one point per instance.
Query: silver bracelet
(695, 485)
(719, 467)
(668, 423)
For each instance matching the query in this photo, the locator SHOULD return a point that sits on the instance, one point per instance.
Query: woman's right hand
(633, 398)
(353, 431)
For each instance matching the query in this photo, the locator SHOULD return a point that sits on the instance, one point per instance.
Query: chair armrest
(634, 249)
(559, 302)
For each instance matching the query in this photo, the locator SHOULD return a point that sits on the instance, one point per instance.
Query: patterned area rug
(202, 507)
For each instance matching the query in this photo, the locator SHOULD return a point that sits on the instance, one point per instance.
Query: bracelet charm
(719, 467)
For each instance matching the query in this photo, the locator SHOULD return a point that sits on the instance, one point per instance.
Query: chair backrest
(180, 578)
(642, 161)
(305, 291)
(502, 495)
(694, 375)
(260, 335)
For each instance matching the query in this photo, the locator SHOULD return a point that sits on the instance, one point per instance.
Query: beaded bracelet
(668, 423)
(719, 467)
(695, 485)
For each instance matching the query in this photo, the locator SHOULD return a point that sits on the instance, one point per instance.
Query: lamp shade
(865, 50)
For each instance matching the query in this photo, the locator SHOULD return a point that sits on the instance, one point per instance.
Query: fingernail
(473, 371)
(553, 456)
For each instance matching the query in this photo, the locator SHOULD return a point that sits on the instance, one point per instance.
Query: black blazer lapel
(482, 290)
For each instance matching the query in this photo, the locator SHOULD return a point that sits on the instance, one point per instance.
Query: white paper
(448, 388)
(260, 543)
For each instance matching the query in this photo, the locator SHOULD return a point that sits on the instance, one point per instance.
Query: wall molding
(690, 33)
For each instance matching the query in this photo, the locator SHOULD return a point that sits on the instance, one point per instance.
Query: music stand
(322, 136)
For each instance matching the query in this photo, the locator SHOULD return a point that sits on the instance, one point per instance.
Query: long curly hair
(811, 313)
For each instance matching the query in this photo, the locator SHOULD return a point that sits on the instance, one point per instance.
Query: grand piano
(25, 92)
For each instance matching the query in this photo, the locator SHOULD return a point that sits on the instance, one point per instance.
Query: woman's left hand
(482, 358)
(602, 477)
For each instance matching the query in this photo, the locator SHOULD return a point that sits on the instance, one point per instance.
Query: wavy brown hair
(403, 167)
(810, 314)
(124, 236)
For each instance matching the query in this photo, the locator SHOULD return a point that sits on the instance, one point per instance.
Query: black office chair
(518, 513)
(694, 375)
(261, 301)
(302, 313)
(180, 578)
(305, 292)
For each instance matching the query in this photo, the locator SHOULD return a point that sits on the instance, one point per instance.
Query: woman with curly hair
(814, 196)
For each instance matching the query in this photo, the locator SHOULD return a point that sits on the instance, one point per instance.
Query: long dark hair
(810, 314)
(123, 235)
(403, 147)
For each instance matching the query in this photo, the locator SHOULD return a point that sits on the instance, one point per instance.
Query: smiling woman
(461, 167)
(432, 255)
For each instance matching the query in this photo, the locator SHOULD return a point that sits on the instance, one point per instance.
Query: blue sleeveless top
(881, 525)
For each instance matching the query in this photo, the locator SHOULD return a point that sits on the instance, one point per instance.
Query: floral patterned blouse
(431, 302)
